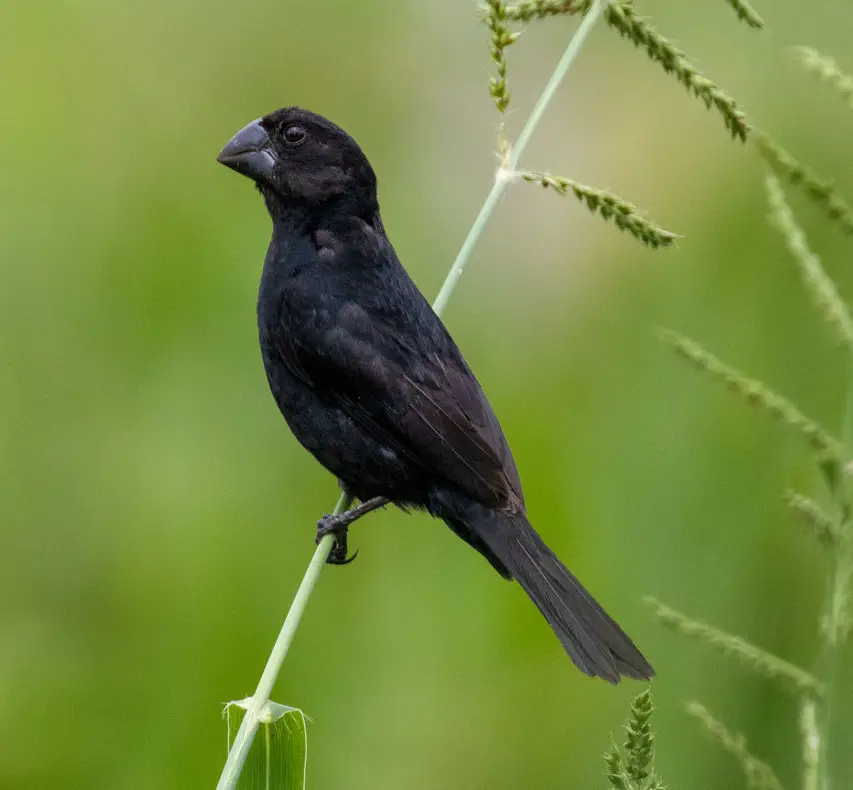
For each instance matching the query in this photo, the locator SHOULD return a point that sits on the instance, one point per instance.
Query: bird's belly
(363, 463)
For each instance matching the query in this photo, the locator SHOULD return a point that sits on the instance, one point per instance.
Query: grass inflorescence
(624, 18)
(529, 10)
(757, 394)
(500, 38)
(830, 525)
(821, 190)
(824, 291)
(759, 775)
(754, 657)
(814, 519)
(632, 767)
(610, 207)
(828, 70)
(746, 13)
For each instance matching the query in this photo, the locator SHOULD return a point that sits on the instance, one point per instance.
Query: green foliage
(632, 768)
(608, 206)
(759, 775)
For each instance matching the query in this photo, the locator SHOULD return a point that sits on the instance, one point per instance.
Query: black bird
(371, 383)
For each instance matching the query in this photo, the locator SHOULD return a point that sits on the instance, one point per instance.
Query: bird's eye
(294, 135)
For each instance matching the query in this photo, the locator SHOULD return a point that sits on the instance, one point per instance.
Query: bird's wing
(427, 403)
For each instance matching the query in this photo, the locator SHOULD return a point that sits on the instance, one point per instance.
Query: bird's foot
(338, 526)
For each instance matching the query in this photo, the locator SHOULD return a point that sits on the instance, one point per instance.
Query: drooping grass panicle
(757, 394)
(623, 17)
(753, 657)
(609, 206)
(811, 744)
(824, 291)
(500, 38)
(813, 518)
(632, 768)
(746, 13)
(822, 191)
(528, 10)
(828, 70)
(759, 775)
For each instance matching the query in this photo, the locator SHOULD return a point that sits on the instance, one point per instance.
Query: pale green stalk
(578, 40)
(811, 744)
(268, 744)
(505, 175)
(836, 613)
(249, 726)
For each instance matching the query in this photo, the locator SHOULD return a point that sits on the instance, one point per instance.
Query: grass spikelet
(828, 70)
(632, 767)
(746, 13)
(501, 38)
(617, 775)
(639, 742)
(759, 775)
(608, 206)
(822, 191)
(753, 657)
(830, 305)
(813, 518)
(757, 394)
(528, 10)
(623, 17)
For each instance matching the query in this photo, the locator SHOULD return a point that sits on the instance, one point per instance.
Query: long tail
(593, 640)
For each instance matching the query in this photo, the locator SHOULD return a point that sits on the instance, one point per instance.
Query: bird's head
(301, 160)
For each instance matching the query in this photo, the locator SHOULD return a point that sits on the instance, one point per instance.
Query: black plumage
(371, 383)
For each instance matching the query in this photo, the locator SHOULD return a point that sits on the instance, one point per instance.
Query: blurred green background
(156, 515)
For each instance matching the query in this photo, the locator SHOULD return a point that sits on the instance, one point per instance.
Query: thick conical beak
(248, 152)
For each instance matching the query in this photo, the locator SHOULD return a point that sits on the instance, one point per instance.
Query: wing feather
(426, 403)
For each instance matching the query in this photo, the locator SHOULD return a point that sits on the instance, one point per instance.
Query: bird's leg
(339, 525)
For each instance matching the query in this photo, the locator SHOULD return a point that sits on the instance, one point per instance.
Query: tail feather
(592, 639)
